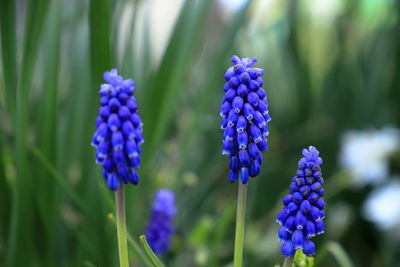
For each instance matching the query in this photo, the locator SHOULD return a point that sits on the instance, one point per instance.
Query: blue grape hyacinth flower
(245, 118)
(302, 215)
(119, 131)
(160, 228)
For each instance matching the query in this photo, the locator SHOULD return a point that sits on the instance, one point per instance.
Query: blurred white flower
(383, 206)
(364, 154)
(233, 4)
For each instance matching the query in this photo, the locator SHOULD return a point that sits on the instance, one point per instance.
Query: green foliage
(150, 254)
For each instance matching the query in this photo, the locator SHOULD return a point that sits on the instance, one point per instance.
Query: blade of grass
(100, 39)
(45, 194)
(20, 242)
(81, 236)
(73, 160)
(149, 252)
(101, 59)
(220, 58)
(143, 57)
(8, 46)
(167, 82)
(125, 61)
(5, 194)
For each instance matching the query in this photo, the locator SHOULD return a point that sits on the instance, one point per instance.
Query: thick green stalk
(121, 227)
(240, 219)
(288, 262)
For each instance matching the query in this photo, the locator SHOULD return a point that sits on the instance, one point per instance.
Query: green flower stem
(240, 219)
(136, 250)
(121, 227)
(288, 262)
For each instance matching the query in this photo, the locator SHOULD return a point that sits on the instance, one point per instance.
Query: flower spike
(160, 228)
(119, 131)
(302, 215)
(245, 117)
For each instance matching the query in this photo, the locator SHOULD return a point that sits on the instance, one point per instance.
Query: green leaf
(5, 194)
(46, 194)
(8, 46)
(166, 84)
(149, 252)
(100, 39)
(20, 239)
(220, 56)
(101, 60)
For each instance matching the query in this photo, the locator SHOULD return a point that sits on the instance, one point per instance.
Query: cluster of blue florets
(245, 118)
(303, 212)
(119, 131)
(160, 228)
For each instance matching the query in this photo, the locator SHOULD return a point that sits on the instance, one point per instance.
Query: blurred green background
(332, 70)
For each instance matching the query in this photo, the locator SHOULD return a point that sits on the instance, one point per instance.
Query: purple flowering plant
(160, 228)
(245, 117)
(118, 138)
(302, 215)
(119, 131)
